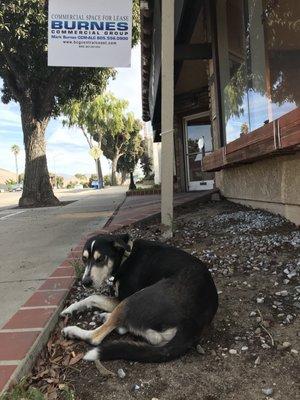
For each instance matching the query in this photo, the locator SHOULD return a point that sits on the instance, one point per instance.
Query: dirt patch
(250, 353)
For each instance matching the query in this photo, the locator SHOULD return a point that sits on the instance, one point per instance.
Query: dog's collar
(127, 252)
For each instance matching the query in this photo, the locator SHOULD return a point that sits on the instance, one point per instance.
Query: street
(33, 242)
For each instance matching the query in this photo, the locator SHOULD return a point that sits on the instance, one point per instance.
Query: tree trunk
(99, 173)
(123, 177)
(132, 184)
(17, 169)
(114, 163)
(37, 189)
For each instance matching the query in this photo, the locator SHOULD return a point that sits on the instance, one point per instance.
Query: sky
(67, 149)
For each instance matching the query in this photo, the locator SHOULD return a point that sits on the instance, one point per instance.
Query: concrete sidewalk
(138, 208)
(34, 241)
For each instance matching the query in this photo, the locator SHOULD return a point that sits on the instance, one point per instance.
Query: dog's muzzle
(87, 281)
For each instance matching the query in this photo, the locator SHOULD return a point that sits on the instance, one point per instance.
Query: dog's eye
(84, 258)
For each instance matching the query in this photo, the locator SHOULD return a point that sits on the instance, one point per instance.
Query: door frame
(209, 183)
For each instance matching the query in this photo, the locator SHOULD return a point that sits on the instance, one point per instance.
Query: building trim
(282, 136)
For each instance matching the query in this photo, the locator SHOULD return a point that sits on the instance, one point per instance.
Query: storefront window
(259, 51)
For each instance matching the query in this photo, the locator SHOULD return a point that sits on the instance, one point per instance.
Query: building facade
(236, 97)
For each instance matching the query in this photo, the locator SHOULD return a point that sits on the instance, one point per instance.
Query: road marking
(11, 215)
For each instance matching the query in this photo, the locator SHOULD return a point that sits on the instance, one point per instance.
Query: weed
(78, 267)
(21, 391)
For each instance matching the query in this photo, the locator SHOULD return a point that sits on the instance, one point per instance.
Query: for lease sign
(89, 33)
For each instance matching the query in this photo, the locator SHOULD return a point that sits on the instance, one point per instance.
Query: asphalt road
(33, 242)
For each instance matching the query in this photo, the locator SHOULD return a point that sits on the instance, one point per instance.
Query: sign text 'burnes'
(89, 25)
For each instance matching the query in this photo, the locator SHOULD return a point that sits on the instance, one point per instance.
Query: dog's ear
(121, 242)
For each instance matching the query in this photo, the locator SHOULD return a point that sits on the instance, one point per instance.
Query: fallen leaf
(66, 360)
(56, 360)
(40, 374)
(77, 358)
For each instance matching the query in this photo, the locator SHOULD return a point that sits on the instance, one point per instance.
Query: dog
(162, 294)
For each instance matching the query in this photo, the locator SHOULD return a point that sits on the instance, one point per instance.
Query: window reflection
(259, 50)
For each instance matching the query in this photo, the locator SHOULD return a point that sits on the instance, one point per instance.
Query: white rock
(257, 361)
(286, 345)
(252, 314)
(265, 346)
(283, 293)
(267, 391)
(200, 349)
(232, 351)
(260, 300)
(121, 373)
(294, 352)
(244, 348)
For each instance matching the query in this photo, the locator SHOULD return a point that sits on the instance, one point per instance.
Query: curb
(28, 330)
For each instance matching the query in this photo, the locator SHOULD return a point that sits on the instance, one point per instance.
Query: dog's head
(101, 256)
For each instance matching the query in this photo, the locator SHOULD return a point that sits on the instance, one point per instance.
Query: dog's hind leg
(104, 317)
(95, 336)
(104, 303)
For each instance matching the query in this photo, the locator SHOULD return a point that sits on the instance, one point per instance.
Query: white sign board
(89, 33)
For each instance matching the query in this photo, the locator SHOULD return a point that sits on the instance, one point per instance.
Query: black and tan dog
(163, 294)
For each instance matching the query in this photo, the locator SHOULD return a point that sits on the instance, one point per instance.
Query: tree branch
(14, 69)
(12, 84)
(48, 94)
(89, 140)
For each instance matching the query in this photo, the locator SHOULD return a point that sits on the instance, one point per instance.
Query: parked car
(16, 188)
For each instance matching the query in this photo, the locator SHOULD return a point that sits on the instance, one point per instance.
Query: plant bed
(143, 192)
(250, 353)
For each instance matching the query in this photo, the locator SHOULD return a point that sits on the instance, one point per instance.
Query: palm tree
(16, 150)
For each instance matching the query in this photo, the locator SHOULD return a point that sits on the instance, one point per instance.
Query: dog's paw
(104, 317)
(92, 355)
(67, 311)
(71, 332)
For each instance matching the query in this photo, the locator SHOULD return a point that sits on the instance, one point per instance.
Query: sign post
(89, 33)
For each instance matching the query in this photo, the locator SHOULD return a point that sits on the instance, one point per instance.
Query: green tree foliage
(79, 113)
(10, 182)
(146, 165)
(81, 177)
(132, 154)
(40, 90)
(112, 126)
(16, 150)
(59, 181)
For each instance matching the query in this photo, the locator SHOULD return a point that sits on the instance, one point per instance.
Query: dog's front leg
(104, 303)
(96, 336)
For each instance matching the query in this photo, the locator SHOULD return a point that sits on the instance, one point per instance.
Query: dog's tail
(140, 351)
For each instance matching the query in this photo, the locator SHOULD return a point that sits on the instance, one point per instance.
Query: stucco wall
(272, 184)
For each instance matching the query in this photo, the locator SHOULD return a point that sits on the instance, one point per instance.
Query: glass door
(198, 144)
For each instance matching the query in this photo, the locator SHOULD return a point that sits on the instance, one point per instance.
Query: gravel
(254, 257)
